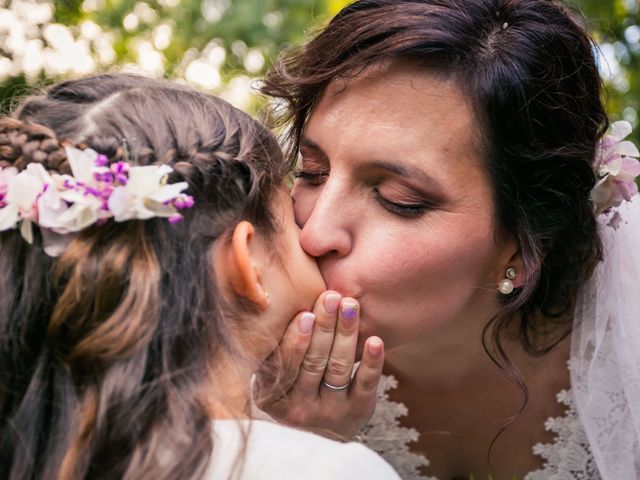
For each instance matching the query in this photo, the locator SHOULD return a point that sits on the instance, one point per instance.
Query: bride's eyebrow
(308, 144)
(405, 171)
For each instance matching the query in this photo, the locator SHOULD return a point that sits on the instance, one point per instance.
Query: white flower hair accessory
(616, 166)
(95, 192)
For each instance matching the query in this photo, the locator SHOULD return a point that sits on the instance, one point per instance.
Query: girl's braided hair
(106, 350)
(23, 143)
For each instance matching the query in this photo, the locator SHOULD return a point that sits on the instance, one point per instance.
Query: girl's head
(108, 349)
(453, 138)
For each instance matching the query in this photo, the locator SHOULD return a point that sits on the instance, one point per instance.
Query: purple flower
(175, 218)
(121, 179)
(120, 167)
(101, 160)
(183, 201)
(106, 177)
(92, 191)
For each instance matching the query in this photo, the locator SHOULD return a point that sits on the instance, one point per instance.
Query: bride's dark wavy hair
(529, 70)
(106, 351)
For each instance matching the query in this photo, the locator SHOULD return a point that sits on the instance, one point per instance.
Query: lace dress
(568, 457)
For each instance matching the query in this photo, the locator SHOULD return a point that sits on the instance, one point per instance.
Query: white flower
(63, 209)
(21, 199)
(82, 163)
(7, 219)
(146, 194)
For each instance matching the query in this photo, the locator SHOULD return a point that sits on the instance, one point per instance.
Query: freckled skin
(412, 275)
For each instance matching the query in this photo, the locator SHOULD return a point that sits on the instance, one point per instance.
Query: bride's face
(395, 203)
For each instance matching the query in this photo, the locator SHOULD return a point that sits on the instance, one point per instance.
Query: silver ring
(334, 388)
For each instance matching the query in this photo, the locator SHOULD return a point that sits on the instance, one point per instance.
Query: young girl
(149, 262)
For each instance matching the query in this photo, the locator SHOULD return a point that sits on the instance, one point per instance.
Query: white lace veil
(605, 350)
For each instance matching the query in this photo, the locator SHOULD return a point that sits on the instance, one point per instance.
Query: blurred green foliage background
(222, 46)
(616, 26)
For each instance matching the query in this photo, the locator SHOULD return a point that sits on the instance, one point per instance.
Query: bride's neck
(453, 358)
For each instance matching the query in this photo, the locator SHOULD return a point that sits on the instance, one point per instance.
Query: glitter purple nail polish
(349, 311)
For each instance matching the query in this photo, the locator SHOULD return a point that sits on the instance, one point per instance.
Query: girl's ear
(238, 263)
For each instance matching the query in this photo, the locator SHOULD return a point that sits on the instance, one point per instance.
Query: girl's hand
(307, 382)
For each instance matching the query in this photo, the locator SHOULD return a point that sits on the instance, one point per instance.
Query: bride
(455, 177)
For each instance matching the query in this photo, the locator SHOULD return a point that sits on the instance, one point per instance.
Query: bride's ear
(512, 260)
(239, 263)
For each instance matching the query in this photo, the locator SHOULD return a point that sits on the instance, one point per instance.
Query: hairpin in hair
(126, 152)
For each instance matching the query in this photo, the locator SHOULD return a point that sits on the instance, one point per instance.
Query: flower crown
(616, 166)
(95, 192)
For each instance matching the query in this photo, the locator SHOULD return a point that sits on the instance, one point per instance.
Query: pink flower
(617, 167)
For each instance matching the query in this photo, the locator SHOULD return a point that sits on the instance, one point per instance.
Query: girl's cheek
(303, 203)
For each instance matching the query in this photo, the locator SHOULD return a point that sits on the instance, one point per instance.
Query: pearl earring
(505, 286)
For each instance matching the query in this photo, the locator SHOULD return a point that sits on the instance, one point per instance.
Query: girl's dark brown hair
(106, 350)
(528, 69)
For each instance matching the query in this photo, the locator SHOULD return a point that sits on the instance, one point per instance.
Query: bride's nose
(328, 227)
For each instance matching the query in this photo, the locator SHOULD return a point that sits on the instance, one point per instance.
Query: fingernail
(331, 302)
(349, 310)
(306, 322)
(375, 346)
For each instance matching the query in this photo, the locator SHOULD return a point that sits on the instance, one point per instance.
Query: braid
(22, 143)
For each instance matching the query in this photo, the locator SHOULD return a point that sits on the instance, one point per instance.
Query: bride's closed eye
(400, 199)
(311, 177)
(409, 210)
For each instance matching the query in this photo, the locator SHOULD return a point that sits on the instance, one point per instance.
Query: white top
(280, 453)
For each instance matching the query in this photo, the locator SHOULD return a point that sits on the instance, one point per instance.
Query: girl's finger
(317, 355)
(337, 376)
(280, 371)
